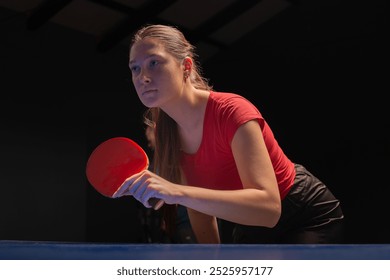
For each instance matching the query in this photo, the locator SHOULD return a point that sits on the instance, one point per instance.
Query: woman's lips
(148, 91)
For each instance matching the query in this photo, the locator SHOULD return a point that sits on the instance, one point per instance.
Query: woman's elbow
(274, 215)
(270, 215)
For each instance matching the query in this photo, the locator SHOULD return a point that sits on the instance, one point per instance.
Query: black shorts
(310, 214)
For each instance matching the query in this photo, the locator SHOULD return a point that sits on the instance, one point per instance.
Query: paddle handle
(156, 203)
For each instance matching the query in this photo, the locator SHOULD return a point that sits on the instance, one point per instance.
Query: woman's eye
(153, 63)
(134, 69)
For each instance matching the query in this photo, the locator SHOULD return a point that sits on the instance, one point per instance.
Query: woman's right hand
(149, 188)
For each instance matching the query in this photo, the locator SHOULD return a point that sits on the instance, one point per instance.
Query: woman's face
(157, 76)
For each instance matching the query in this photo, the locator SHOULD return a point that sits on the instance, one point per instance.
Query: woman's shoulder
(221, 95)
(229, 99)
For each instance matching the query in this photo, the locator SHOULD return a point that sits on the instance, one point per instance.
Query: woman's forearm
(247, 206)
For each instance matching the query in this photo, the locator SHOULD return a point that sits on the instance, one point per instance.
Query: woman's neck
(188, 111)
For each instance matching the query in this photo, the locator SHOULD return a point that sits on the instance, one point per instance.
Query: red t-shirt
(213, 165)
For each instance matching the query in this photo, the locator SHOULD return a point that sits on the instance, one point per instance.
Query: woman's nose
(145, 78)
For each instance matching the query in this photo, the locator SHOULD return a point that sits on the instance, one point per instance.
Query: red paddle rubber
(112, 162)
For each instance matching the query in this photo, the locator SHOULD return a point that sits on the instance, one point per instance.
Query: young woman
(216, 155)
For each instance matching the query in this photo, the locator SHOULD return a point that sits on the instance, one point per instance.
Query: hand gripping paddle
(112, 162)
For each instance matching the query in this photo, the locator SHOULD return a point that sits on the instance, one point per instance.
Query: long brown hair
(167, 149)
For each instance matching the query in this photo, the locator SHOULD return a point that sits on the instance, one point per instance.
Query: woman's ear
(187, 62)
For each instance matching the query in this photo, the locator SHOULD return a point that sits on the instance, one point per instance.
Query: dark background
(318, 73)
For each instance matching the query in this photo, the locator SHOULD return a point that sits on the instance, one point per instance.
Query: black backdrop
(318, 78)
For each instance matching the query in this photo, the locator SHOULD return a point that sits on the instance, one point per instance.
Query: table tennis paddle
(112, 162)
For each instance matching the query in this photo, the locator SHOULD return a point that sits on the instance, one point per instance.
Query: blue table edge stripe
(52, 250)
